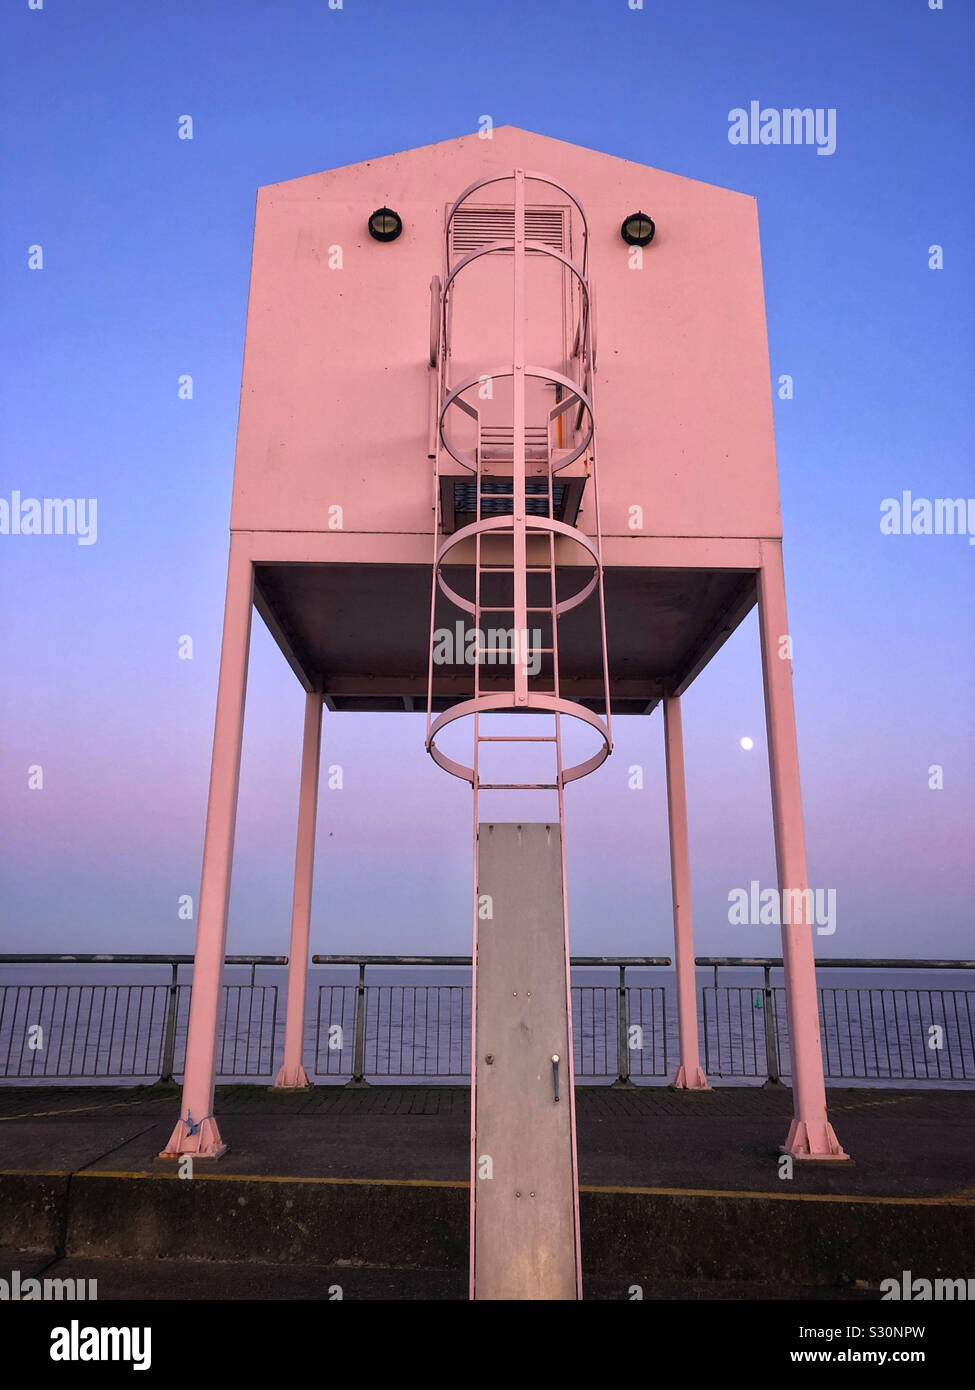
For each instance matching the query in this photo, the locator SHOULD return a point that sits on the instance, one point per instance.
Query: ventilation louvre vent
(458, 498)
(536, 499)
(474, 227)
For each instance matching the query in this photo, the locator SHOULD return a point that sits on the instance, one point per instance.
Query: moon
(747, 743)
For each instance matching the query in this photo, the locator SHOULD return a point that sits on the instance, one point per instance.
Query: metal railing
(105, 1031)
(425, 1030)
(621, 1031)
(878, 1033)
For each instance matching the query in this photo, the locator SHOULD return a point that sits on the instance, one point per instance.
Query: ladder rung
(510, 569)
(517, 738)
(517, 786)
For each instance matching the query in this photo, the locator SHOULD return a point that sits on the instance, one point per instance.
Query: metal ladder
(496, 446)
(520, 518)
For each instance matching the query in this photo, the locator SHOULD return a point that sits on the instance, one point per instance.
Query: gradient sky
(146, 242)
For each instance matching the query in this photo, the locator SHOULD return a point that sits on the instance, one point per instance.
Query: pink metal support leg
(690, 1076)
(196, 1130)
(810, 1135)
(292, 1073)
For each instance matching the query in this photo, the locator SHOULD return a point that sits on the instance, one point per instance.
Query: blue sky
(146, 250)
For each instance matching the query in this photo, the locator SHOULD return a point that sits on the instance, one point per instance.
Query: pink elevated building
(532, 381)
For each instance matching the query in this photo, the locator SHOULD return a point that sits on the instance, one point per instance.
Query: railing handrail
(841, 963)
(729, 962)
(110, 958)
(466, 960)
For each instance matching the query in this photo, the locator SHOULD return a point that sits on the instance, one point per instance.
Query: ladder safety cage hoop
(454, 397)
(503, 523)
(537, 703)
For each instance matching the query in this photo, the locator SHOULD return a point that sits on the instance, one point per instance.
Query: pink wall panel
(334, 396)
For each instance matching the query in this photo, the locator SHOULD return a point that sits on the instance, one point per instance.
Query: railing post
(169, 1037)
(622, 1036)
(359, 1055)
(771, 1051)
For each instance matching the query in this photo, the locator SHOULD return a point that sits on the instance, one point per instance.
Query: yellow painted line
(782, 1196)
(33, 1173)
(224, 1177)
(966, 1198)
(266, 1177)
(83, 1109)
(869, 1104)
